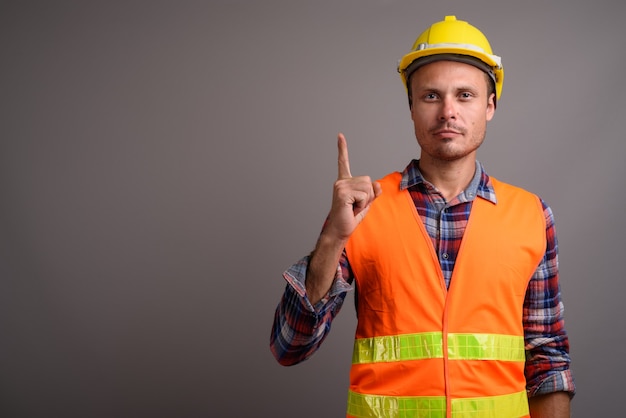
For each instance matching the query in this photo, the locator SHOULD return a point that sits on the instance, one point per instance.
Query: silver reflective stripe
(471, 47)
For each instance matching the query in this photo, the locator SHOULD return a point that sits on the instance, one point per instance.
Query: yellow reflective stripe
(430, 345)
(513, 405)
(376, 406)
(486, 347)
(399, 347)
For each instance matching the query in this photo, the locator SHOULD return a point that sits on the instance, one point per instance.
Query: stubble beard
(447, 149)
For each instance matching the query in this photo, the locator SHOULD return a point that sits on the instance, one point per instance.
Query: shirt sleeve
(547, 367)
(300, 328)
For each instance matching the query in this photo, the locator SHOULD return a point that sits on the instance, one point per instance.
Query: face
(450, 110)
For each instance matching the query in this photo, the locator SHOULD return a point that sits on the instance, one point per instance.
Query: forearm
(317, 284)
(297, 332)
(547, 368)
(299, 328)
(322, 268)
(552, 405)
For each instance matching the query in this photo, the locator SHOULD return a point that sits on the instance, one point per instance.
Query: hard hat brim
(493, 66)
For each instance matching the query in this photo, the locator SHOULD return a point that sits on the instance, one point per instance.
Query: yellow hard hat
(454, 40)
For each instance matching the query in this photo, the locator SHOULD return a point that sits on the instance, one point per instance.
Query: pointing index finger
(344, 162)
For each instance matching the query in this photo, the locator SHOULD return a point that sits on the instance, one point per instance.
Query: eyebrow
(464, 87)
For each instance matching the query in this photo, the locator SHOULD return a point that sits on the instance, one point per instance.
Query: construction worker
(455, 272)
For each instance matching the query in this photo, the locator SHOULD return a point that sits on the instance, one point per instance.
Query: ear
(409, 93)
(491, 107)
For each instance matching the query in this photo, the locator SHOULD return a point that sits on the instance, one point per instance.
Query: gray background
(162, 162)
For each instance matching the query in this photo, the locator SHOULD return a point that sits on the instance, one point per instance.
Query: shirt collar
(479, 186)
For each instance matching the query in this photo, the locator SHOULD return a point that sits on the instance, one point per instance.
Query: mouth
(447, 131)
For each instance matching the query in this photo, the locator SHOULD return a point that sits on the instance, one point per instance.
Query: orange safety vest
(422, 350)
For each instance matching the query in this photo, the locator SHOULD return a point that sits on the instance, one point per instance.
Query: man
(456, 273)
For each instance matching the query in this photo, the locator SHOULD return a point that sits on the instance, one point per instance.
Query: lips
(448, 131)
(446, 134)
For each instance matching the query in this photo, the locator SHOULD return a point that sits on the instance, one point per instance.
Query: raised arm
(352, 197)
(303, 317)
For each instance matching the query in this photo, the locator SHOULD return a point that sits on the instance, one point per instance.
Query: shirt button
(444, 256)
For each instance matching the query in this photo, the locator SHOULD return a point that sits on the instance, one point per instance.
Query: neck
(449, 177)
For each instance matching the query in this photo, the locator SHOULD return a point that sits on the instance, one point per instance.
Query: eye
(431, 97)
(466, 95)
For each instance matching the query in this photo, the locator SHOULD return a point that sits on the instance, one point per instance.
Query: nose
(448, 109)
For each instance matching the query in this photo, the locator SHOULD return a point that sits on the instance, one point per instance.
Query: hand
(352, 196)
